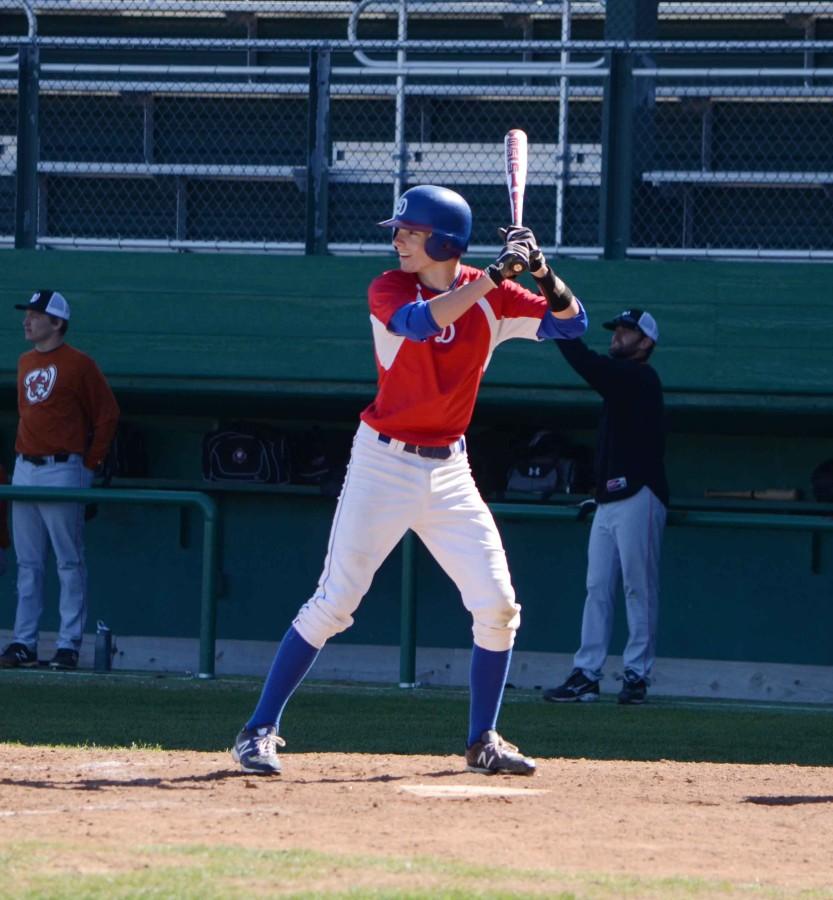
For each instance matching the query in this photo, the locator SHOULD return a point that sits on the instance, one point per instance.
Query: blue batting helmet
(438, 210)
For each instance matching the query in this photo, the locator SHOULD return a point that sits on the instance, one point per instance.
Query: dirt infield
(744, 824)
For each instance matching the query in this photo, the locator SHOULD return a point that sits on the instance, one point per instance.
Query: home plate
(453, 791)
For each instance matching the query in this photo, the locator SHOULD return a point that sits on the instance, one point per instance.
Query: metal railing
(678, 516)
(195, 500)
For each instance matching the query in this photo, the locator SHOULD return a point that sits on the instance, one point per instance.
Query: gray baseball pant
(34, 527)
(625, 543)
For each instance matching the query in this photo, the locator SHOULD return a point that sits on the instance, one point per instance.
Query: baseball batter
(436, 323)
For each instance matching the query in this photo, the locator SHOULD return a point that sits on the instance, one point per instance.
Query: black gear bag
(320, 457)
(246, 452)
(547, 464)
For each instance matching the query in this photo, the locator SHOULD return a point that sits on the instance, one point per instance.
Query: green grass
(172, 712)
(51, 870)
(119, 710)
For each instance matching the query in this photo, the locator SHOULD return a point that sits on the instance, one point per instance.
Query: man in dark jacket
(631, 497)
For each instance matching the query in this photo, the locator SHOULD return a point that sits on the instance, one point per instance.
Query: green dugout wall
(190, 340)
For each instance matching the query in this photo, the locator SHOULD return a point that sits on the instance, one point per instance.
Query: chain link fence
(8, 145)
(666, 129)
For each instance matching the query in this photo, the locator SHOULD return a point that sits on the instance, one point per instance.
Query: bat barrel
(515, 158)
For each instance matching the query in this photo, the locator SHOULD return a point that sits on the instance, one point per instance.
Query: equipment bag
(822, 481)
(246, 452)
(548, 464)
(536, 468)
(320, 457)
(127, 456)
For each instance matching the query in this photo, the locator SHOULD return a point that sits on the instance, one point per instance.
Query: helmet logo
(401, 206)
(447, 335)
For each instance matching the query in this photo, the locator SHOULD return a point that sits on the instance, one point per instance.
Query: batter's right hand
(513, 259)
(521, 234)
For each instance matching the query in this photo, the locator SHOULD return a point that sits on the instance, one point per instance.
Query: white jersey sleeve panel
(386, 344)
(501, 330)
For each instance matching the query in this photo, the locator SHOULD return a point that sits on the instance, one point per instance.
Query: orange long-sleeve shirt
(65, 405)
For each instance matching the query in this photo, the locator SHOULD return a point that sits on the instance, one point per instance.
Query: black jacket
(630, 444)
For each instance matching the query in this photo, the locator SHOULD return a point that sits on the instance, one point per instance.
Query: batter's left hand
(518, 233)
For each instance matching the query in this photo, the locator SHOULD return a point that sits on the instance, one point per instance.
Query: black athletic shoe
(64, 659)
(18, 655)
(492, 754)
(578, 688)
(255, 750)
(634, 689)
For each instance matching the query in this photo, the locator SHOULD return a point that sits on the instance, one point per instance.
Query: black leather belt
(43, 460)
(429, 452)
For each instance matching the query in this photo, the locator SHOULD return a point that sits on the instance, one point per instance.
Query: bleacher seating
(114, 139)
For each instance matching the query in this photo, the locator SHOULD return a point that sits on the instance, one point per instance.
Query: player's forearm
(447, 308)
(559, 297)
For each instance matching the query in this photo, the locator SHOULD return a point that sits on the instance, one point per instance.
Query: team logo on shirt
(447, 335)
(39, 383)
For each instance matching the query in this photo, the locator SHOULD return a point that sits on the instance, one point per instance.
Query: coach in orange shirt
(68, 416)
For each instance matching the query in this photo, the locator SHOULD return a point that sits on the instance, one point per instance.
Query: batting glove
(512, 260)
(521, 234)
(518, 233)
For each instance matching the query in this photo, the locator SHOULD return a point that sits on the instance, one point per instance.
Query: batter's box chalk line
(463, 791)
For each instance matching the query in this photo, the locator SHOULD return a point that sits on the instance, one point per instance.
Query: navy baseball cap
(50, 302)
(635, 318)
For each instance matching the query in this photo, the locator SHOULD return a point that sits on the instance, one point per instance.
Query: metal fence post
(626, 114)
(617, 157)
(26, 201)
(407, 625)
(318, 144)
(209, 591)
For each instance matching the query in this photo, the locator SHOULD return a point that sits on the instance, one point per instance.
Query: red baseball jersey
(427, 389)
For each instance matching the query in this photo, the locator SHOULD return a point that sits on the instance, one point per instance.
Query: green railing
(783, 520)
(786, 518)
(182, 499)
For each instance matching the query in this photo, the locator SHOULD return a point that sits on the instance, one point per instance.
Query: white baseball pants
(387, 491)
(34, 527)
(625, 543)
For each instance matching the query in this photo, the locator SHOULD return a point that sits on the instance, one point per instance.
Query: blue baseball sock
(487, 679)
(292, 662)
